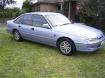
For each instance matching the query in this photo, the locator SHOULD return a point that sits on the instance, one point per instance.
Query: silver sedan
(56, 30)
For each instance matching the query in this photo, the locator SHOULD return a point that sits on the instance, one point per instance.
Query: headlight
(95, 39)
(92, 39)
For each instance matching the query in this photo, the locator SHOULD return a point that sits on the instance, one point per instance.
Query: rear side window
(25, 19)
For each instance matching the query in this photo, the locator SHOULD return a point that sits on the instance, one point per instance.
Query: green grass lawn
(31, 60)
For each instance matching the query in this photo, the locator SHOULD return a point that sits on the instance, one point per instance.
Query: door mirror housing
(46, 26)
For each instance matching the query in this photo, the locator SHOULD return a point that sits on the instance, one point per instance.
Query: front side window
(39, 20)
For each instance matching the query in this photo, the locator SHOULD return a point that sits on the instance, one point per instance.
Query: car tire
(17, 35)
(66, 46)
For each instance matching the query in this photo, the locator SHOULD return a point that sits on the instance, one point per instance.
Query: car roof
(42, 13)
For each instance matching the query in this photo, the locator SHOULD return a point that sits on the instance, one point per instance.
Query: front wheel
(17, 36)
(66, 46)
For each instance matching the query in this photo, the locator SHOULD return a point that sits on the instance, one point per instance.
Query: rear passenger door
(24, 25)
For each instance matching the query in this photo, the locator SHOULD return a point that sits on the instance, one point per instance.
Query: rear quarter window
(19, 19)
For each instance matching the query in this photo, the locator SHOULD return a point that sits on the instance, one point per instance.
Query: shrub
(93, 21)
(9, 13)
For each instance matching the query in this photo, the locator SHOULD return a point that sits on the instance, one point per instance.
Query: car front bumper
(90, 47)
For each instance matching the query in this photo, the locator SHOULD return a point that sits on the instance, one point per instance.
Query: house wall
(51, 1)
(36, 8)
(48, 7)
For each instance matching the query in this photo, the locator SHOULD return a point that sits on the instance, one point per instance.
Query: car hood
(79, 29)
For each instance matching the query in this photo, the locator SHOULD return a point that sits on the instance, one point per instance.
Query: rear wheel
(17, 35)
(66, 46)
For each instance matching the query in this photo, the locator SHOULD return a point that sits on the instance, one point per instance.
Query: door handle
(32, 28)
(19, 26)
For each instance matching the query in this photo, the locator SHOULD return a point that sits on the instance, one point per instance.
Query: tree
(93, 13)
(3, 3)
(93, 7)
(89, 7)
(27, 6)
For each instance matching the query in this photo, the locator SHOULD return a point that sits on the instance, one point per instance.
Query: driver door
(41, 33)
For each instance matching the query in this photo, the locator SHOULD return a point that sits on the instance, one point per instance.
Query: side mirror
(46, 26)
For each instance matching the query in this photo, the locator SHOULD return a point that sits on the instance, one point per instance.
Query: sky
(18, 4)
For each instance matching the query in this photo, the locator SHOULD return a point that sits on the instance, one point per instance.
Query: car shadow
(89, 54)
(40, 44)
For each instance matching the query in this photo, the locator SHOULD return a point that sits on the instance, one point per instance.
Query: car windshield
(57, 19)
